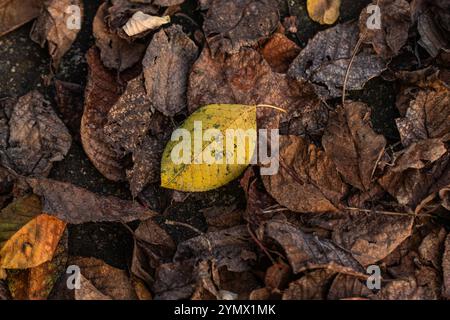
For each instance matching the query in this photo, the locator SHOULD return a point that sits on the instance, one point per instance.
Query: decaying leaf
(4, 292)
(15, 13)
(166, 64)
(69, 97)
(37, 283)
(246, 78)
(101, 281)
(102, 92)
(446, 269)
(392, 34)
(279, 52)
(325, 61)
(307, 251)
(416, 169)
(141, 22)
(427, 117)
(348, 287)
(307, 180)
(230, 25)
(57, 27)
(371, 237)
(121, 11)
(210, 164)
(312, 286)
(32, 136)
(77, 205)
(116, 53)
(324, 11)
(33, 244)
(352, 145)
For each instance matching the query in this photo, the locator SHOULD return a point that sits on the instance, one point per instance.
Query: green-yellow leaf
(324, 11)
(196, 173)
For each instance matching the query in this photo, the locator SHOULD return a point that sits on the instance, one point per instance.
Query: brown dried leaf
(371, 237)
(174, 281)
(32, 136)
(116, 53)
(4, 291)
(77, 205)
(108, 282)
(166, 64)
(102, 92)
(69, 97)
(14, 13)
(348, 287)
(325, 61)
(446, 269)
(427, 117)
(307, 180)
(120, 11)
(52, 27)
(312, 286)
(395, 23)
(351, 143)
(230, 25)
(246, 78)
(307, 251)
(415, 171)
(279, 52)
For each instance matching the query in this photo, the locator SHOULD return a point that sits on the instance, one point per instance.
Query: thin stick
(182, 224)
(271, 107)
(390, 213)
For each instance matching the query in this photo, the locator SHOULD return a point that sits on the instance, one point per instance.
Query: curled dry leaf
(102, 281)
(77, 205)
(15, 13)
(307, 180)
(121, 11)
(141, 22)
(230, 25)
(166, 64)
(312, 286)
(37, 283)
(388, 39)
(415, 171)
(371, 237)
(245, 77)
(279, 52)
(326, 58)
(69, 97)
(232, 248)
(56, 28)
(32, 136)
(427, 117)
(116, 53)
(307, 251)
(348, 287)
(352, 145)
(33, 244)
(102, 92)
(324, 11)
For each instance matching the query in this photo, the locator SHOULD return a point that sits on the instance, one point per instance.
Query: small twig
(182, 224)
(260, 245)
(389, 213)
(271, 107)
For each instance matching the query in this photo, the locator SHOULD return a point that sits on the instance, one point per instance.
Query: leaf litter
(346, 195)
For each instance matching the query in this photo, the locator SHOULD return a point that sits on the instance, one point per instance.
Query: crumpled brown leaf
(153, 247)
(116, 53)
(312, 286)
(415, 170)
(307, 180)
(230, 25)
(325, 61)
(348, 287)
(52, 27)
(279, 52)
(120, 11)
(15, 13)
(446, 269)
(166, 65)
(102, 92)
(371, 237)
(388, 40)
(427, 117)
(32, 136)
(175, 281)
(76, 205)
(102, 281)
(4, 291)
(246, 78)
(307, 251)
(69, 98)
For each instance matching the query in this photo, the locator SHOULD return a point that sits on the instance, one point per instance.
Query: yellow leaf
(324, 11)
(33, 244)
(216, 156)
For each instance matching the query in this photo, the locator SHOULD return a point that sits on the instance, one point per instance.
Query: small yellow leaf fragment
(324, 11)
(34, 244)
